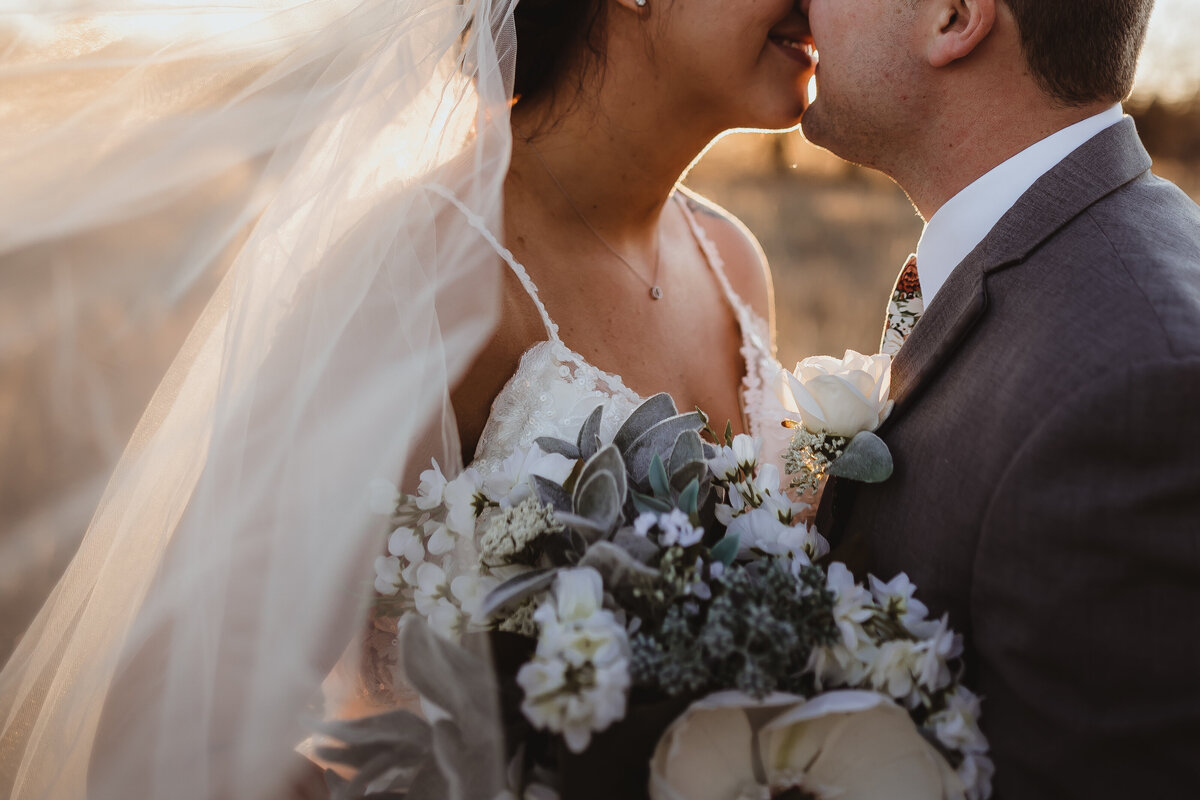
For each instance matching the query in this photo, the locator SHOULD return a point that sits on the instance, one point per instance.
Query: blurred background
(836, 236)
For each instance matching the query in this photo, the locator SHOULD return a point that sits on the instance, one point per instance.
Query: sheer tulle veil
(301, 156)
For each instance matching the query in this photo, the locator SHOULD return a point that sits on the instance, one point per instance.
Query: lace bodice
(555, 389)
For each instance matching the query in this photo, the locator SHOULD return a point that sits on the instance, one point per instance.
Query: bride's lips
(796, 45)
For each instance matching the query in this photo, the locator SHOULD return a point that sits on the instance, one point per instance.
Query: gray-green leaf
(865, 459)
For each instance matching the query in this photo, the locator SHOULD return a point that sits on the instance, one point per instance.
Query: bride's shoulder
(743, 257)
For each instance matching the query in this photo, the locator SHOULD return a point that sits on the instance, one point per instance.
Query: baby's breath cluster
(809, 456)
(512, 533)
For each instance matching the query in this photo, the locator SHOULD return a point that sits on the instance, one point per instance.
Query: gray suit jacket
(1046, 437)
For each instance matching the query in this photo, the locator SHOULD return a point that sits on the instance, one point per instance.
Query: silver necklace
(656, 292)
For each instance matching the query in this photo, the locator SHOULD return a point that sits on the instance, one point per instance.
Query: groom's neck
(958, 148)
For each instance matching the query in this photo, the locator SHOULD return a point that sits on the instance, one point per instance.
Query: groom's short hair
(1082, 51)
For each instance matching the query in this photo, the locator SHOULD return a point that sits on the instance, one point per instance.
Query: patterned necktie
(904, 309)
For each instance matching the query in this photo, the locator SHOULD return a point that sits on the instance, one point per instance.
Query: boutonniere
(834, 406)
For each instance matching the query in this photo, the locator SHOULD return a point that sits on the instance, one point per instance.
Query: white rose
(839, 397)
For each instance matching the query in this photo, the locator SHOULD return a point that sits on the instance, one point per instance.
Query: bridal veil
(301, 157)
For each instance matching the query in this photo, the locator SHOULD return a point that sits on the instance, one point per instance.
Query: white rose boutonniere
(834, 406)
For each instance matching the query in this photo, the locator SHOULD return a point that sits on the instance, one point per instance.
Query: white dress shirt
(963, 222)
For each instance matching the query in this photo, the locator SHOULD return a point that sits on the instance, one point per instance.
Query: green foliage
(755, 634)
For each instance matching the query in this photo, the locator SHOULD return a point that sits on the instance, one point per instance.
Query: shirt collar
(963, 222)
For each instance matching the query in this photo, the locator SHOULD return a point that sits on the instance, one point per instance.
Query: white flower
(470, 591)
(840, 397)
(439, 539)
(932, 671)
(759, 529)
(896, 596)
(742, 457)
(512, 482)
(957, 725)
(578, 681)
(976, 772)
(383, 497)
(894, 667)
(432, 586)
(578, 594)
(445, 619)
(459, 497)
(644, 523)
(847, 744)
(852, 605)
(674, 528)
(433, 484)
(387, 575)
(405, 543)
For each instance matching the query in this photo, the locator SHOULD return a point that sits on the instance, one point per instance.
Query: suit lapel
(1102, 165)
(1105, 163)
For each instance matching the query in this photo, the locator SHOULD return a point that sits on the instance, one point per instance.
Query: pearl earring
(641, 3)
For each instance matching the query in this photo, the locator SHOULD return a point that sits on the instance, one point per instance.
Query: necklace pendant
(656, 293)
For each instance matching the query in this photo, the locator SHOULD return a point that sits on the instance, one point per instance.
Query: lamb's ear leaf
(607, 459)
(689, 447)
(470, 765)
(726, 550)
(589, 434)
(515, 591)
(618, 567)
(640, 547)
(446, 674)
(582, 526)
(429, 784)
(549, 444)
(393, 727)
(551, 494)
(598, 500)
(658, 440)
(866, 459)
(649, 413)
(694, 472)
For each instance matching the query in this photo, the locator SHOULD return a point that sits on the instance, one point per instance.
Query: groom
(1046, 433)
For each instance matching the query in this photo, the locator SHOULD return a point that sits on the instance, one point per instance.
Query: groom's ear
(960, 26)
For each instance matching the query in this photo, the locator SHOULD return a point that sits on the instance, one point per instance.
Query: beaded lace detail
(555, 389)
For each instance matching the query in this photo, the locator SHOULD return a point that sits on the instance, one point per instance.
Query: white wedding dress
(552, 393)
(555, 388)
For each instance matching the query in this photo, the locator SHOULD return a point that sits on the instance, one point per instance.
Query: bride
(430, 249)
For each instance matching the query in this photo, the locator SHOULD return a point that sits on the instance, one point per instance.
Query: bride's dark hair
(550, 35)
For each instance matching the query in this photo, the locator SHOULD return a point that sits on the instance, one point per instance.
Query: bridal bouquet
(660, 621)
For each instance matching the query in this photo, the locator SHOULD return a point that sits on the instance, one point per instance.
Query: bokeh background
(835, 234)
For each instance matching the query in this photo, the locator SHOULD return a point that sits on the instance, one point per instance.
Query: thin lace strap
(709, 250)
(477, 222)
